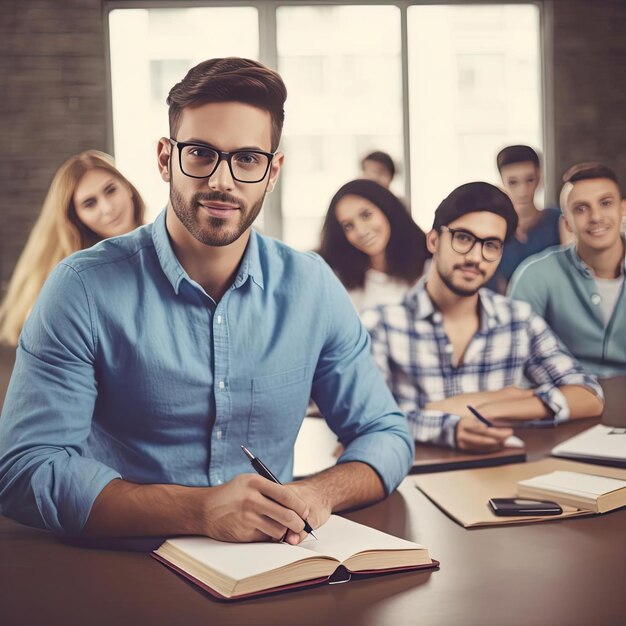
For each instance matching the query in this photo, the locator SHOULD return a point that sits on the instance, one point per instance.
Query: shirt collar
(250, 266)
(170, 265)
(423, 307)
(418, 300)
(582, 267)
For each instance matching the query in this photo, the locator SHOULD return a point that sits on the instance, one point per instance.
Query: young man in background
(579, 290)
(451, 343)
(537, 229)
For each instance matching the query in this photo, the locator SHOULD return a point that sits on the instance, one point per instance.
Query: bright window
(474, 87)
(342, 68)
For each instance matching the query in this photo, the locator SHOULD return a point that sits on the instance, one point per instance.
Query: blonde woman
(89, 200)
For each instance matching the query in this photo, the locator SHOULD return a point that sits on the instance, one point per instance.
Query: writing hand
(475, 436)
(252, 508)
(319, 512)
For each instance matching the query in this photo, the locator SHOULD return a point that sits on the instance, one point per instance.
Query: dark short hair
(383, 158)
(406, 250)
(589, 171)
(516, 154)
(474, 198)
(231, 79)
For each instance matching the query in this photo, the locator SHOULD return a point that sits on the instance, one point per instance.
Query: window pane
(474, 87)
(151, 50)
(342, 68)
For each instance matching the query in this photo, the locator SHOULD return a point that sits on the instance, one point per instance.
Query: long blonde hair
(57, 233)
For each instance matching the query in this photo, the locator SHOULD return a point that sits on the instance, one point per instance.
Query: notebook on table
(604, 445)
(344, 550)
(435, 459)
(588, 491)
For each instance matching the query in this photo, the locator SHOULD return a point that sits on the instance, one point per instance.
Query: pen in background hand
(511, 442)
(261, 469)
(478, 416)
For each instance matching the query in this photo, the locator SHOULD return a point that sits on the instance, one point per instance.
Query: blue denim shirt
(127, 368)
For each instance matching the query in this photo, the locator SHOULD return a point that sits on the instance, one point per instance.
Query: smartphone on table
(523, 506)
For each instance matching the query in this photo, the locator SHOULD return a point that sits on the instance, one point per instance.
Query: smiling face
(364, 225)
(218, 210)
(520, 181)
(104, 204)
(465, 274)
(593, 210)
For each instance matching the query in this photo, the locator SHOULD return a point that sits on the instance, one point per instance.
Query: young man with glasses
(149, 360)
(451, 344)
(580, 290)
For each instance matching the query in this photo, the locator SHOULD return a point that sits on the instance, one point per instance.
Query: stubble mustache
(469, 266)
(217, 196)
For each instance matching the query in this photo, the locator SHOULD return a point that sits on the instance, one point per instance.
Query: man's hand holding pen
(253, 508)
(319, 508)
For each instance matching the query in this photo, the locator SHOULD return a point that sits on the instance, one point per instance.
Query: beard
(213, 231)
(457, 290)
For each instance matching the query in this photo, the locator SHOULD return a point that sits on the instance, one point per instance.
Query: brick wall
(589, 51)
(53, 104)
(54, 96)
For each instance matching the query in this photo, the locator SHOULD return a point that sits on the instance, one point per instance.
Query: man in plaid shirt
(451, 344)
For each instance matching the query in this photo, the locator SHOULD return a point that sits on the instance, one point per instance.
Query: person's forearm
(525, 408)
(582, 402)
(457, 404)
(347, 485)
(124, 509)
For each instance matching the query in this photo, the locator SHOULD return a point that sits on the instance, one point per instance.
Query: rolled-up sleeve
(433, 426)
(352, 394)
(46, 478)
(552, 366)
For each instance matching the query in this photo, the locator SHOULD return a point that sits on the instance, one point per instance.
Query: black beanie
(475, 197)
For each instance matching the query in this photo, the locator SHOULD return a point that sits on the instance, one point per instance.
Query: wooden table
(567, 572)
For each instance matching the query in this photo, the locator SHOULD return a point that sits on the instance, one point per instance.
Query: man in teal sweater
(579, 290)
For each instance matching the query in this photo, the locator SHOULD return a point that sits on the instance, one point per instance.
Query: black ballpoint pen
(480, 417)
(262, 470)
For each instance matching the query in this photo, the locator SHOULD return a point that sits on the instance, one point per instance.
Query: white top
(608, 289)
(379, 289)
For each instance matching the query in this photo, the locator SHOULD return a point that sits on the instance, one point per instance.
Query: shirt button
(437, 317)
(219, 482)
(221, 385)
(596, 299)
(219, 319)
(449, 347)
(218, 434)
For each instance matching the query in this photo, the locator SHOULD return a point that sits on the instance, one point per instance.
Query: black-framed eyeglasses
(462, 241)
(198, 160)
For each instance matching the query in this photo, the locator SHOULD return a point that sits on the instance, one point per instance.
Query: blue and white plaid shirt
(513, 346)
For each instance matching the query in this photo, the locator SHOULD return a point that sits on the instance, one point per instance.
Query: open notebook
(604, 445)
(238, 570)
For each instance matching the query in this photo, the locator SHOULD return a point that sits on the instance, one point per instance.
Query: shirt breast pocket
(279, 402)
